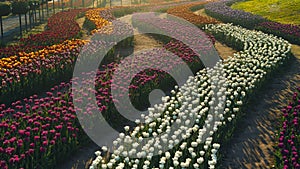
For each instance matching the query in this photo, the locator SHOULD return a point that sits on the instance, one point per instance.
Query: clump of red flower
(60, 27)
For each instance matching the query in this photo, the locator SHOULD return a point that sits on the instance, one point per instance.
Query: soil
(224, 51)
(85, 33)
(200, 12)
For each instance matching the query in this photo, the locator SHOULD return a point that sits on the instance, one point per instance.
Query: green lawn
(283, 11)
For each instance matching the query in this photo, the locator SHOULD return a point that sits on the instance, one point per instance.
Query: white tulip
(200, 160)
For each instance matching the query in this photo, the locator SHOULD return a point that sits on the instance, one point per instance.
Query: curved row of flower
(195, 145)
(16, 155)
(287, 31)
(49, 131)
(146, 80)
(23, 72)
(99, 21)
(183, 11)
(173, 28)
(289, 136)
(222, 11)
(50, 128)
(60, 27)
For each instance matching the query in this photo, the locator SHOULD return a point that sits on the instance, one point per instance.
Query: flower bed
(184, 11)
(38, 132)
(196, 145)
(286, 31)
(95, 21)
(289, 136)
(61, 26)
(221, 10)
(25, 73)
(50, 130)
(175, 27)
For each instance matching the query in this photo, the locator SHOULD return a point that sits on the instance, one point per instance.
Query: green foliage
(4, 9)
(2, 44)
(162, 10)
(43, 1)
(125, 11)
(34, 4)
(20, 7)
(89, 25)
(103, 3)
(196, 8)
(282, 11)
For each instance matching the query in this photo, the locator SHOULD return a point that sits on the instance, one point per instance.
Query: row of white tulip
(186, 130)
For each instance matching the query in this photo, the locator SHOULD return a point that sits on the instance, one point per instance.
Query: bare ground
(252, 144)
(200, 12)
(224, 51)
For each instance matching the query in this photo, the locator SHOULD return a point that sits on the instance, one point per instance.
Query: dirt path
(252, 143)
(201, 12)
(224, 51)
(85, 33)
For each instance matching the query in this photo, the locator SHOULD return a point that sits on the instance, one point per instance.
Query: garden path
(224, 51)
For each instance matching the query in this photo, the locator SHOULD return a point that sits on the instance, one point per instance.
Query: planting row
(289, 136)
(222, 11)
(187, 129)
(173, 28)
(287, 31)
(29, 72)
(95, 21)
(51, 131)
(38, 132)
(60, 27)
(184, 11)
